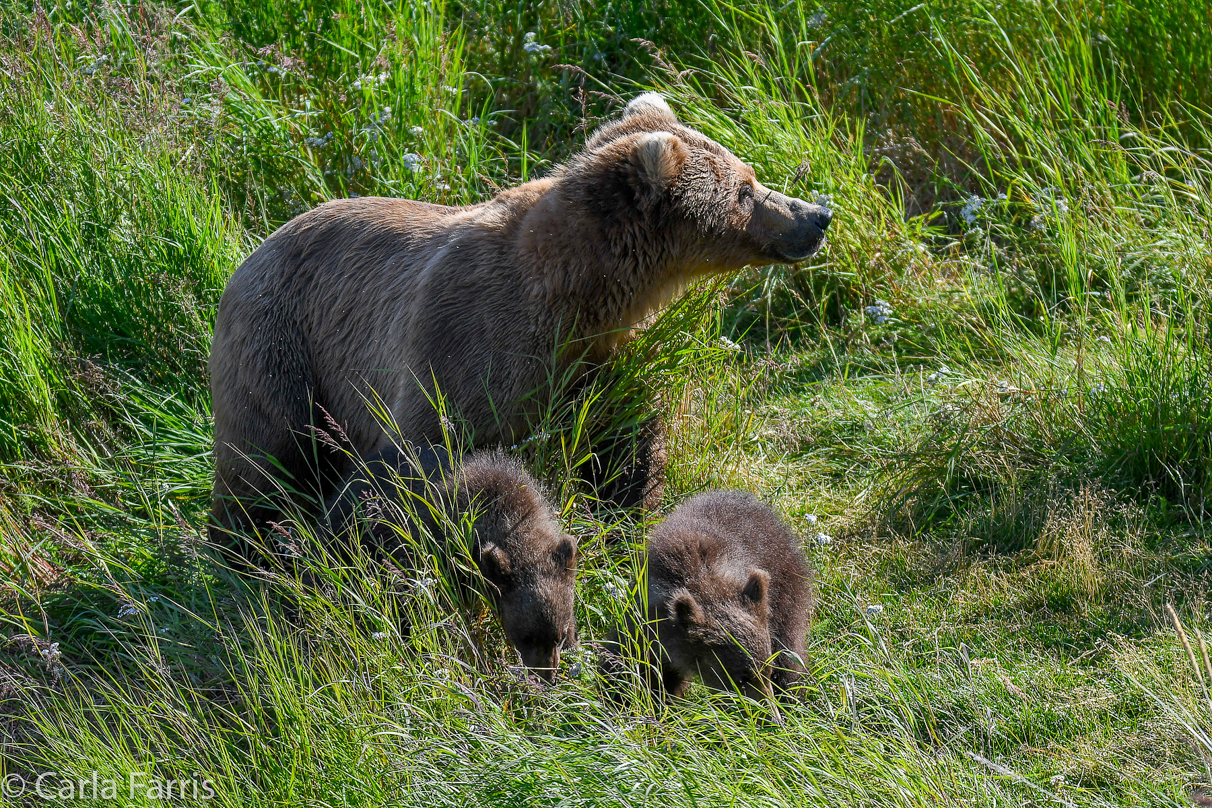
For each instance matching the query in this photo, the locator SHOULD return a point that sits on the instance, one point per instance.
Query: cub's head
(527, 560)
(705, 210)
(718, 626)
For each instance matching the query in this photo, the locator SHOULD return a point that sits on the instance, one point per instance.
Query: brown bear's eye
(746, 194)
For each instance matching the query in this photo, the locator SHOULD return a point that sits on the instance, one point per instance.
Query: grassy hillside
(987, 405)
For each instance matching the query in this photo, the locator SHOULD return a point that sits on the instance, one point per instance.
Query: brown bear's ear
(651, 105)
(754, 592)
(659, 157)
(565, 553)
(684, 609)
(494, 563)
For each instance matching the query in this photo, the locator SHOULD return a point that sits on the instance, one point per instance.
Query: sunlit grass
(1000, 471)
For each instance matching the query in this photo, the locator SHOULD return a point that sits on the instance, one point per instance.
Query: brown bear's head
(717, 625)
(527, 560)
(712, 213)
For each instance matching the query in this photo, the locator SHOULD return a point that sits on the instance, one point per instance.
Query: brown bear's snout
(791, 229)
(544, 662)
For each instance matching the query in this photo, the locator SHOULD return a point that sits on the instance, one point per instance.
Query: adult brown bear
(367, 307)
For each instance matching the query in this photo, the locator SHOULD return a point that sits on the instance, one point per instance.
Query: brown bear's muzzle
(788, 229)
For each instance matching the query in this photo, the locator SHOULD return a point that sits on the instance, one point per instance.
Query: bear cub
(515, 539)
(729, 598)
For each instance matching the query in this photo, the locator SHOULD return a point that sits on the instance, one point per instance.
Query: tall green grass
(1008, 452)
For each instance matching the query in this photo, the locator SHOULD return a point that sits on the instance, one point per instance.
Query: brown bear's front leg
(630, 471)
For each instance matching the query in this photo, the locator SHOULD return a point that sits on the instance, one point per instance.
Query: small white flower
(615, 591)
(379, 636)
(127, 610)
(530, 44)
(810, 518)
(154, 599)
(817, 20)
(411, 161)
(973, 204)
(822, 539)
(1057, 779)
(1104, 338)
(879, 311)
(728, 344)
(417, 131)
(51, 653)
(1098, 388)
(875, 610)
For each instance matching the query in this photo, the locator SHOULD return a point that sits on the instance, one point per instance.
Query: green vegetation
(987, 405)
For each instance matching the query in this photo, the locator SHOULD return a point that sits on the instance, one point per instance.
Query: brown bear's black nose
(823, 218)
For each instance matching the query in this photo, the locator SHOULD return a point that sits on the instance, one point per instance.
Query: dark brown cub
(729, 597)
(489, 507)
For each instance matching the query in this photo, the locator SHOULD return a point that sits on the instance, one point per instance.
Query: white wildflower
(817, 19)
(973, 204)
(810, 518)
(530, 44)
(875, 610)
(729, 345)
(127, 610)
(1098, 389)
(822, 539)
(51, 653)
(416, 131)
(879, 311)
(379, 636)
(1104, 338)
(615, 591)
(412, 161)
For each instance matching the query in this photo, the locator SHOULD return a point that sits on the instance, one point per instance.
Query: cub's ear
(658, 158)
(754, 592)
(494, 563)
(565, 553)
(684, 610)
(652, 105)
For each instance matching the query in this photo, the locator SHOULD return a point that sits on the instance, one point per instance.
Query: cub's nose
(823, 218)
